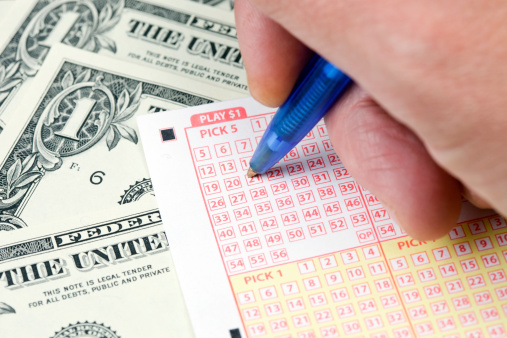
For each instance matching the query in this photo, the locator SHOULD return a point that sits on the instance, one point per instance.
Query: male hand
(427, 118)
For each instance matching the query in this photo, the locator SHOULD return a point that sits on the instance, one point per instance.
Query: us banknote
(4, 8)
(109, 278)
(222, 4)
(78, 150)
(179, 37)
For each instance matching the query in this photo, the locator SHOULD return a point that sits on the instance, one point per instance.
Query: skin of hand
(427, 119)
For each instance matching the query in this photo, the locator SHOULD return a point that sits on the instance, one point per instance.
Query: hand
(427, 118)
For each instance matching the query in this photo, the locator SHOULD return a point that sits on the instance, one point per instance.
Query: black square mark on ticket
(235, 333)
(167, 134)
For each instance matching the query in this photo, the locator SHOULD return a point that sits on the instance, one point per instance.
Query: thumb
(273, 58)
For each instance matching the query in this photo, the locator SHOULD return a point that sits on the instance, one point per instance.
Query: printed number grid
(397, 288)
(308, 197)
(384, 285)
(456, 286)
(346, 293)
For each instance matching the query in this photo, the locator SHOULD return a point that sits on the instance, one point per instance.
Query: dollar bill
(78, 150)
(222, 4)
(180, 37)
(112, 278)
(4, 8)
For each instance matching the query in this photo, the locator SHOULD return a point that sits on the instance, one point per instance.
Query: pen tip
(250, 173)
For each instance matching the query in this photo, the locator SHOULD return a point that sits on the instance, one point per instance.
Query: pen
(319, 86)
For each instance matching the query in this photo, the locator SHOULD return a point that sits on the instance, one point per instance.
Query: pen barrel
(318, 88)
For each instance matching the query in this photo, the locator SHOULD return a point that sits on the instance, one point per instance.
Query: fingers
(475, 199)
(443, 79)
(389, 160)
(325, 26)
(272, 57)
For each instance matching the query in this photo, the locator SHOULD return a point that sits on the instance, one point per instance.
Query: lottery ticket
(304, 250)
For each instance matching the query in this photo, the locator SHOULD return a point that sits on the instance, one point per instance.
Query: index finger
(273, 58)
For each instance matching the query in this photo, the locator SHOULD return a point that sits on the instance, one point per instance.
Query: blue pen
(319, 86)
